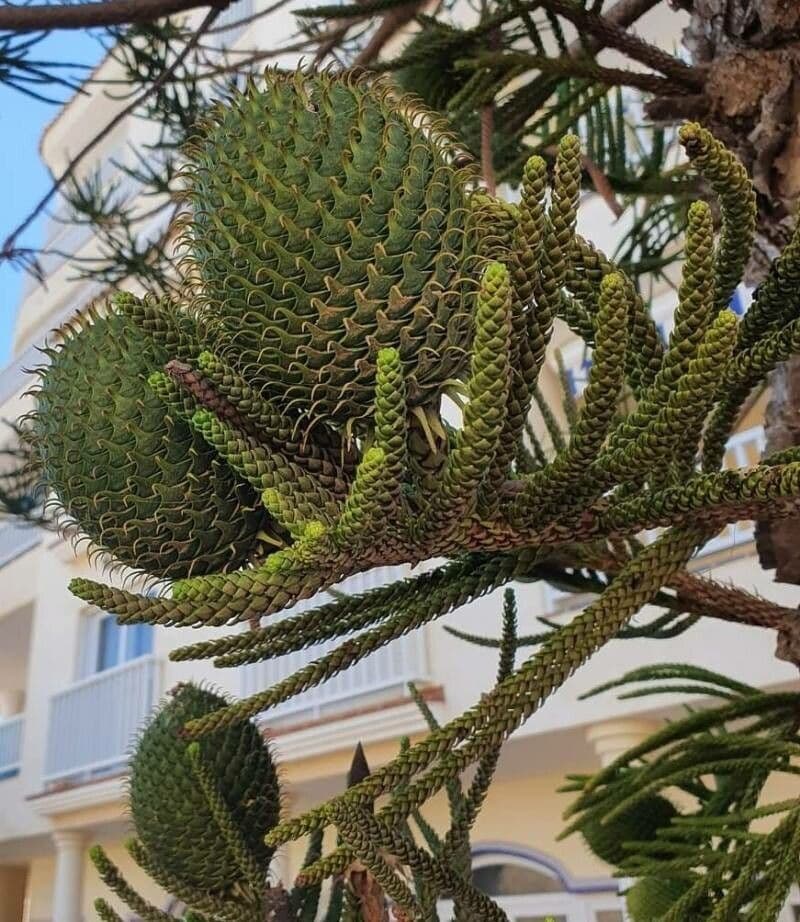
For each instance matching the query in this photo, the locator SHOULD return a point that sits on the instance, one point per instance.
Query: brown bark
(371, 899)
(751, 101)
(276, 905)
(369, 895)
(779, 542)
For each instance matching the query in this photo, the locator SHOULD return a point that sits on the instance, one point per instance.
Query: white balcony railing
(15, 539)
(10, 745)
(384, 671)
(92, 723)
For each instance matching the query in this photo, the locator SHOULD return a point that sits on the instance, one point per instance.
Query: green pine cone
(651, 898)
(173, 818)
(141, 485)
(329, 223)
(640, 824)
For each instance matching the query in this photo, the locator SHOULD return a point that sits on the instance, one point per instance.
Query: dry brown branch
(727, 603)
(389, 26)
(614, 35)
(19, 18)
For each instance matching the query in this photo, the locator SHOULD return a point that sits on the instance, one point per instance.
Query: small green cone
(172, 816)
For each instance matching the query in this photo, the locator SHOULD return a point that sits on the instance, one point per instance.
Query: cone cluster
(347, 275)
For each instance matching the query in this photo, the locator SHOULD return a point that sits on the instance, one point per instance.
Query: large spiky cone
(329, 222)
(134, 477)
(178, 824)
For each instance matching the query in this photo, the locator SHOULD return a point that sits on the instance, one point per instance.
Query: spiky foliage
(401, 485)
(193, 801)
(330, 222)
(141, 485)
(514, 78)
(712, 860)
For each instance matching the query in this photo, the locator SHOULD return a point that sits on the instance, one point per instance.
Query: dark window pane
(108, 644)
(513, 880)
(609, 915)
(139, 641)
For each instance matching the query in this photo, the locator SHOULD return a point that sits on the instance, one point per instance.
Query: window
(533, 887)
(514, 880)
(577, 358)
(741, 299)
(106, 644)
(139, 641)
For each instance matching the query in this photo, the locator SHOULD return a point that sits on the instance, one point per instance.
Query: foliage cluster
(281, 426)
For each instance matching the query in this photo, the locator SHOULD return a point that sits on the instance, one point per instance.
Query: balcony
(15, 539)
(93, 722)
(10, 745)
(379, 677)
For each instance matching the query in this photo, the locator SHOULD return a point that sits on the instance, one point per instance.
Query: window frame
(579, 900)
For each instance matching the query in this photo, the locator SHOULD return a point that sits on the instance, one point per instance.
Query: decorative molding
(66, 839)
(483, 852)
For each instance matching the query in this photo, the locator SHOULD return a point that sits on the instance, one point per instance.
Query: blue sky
(24, 177)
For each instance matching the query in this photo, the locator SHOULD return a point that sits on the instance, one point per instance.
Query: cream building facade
(74, 686)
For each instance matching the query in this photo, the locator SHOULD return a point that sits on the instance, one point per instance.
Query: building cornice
(79, 797)
(340, 733)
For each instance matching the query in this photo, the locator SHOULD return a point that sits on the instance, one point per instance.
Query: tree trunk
(751, 101)
(751, 52)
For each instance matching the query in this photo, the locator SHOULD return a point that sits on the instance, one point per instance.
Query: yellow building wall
(41, 878)
(39, 898)
(525, 812)
(13, 881)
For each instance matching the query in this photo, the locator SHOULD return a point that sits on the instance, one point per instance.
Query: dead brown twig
(41, 17)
